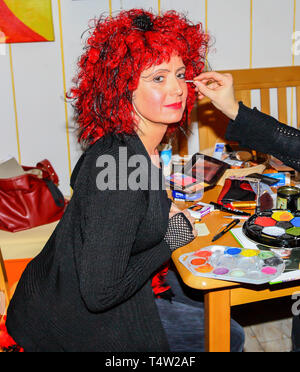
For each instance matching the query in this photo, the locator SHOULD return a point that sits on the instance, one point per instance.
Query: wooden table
(220, 295)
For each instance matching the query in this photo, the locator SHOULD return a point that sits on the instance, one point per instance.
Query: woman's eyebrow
(162, 70)
(155, 72)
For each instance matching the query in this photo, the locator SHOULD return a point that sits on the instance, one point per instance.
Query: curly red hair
(117, 51)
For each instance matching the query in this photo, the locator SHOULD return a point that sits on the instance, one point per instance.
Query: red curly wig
(117, 51)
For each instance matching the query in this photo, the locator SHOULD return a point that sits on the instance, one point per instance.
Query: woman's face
(161, 93)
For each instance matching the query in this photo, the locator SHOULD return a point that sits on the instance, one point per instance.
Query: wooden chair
(7, 344)
(4, 289)
(212, 123)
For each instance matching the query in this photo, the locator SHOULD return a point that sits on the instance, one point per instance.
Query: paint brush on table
(226, 229)
(220, 207)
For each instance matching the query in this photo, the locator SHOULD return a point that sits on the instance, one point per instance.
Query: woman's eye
(181, 75)
(158, 79)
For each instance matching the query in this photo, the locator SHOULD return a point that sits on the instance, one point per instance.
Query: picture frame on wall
(26, 21)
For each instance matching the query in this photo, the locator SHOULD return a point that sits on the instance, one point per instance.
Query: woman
(253, 129)
(90, 287)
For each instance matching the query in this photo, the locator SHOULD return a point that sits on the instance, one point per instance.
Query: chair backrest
(212, 123)
(4, 288)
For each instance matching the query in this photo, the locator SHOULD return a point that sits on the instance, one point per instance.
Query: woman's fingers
(192, 221)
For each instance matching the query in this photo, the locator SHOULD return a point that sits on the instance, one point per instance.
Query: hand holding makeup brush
(219, 88)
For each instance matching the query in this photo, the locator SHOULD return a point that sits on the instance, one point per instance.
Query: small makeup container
(165, 153)
(288, 197)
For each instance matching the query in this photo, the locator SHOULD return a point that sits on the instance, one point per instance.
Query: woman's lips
(175, 106)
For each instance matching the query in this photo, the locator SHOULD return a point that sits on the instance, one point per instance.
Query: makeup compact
(206, 168)
(200, 173)
(181, 181)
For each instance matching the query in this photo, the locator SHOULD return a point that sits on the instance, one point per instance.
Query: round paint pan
(227, 261)
(217, 248)
(203, 253)
(206, 268)
(237, 273)
(264, 255)
(233, 251)
(250, 263)
(195, 261)
(249, 252)
(255, 275)
(273, 261)
(221, 271)
(269, 270)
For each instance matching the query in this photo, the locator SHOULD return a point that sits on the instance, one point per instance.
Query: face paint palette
(274, 228)
(252, 266)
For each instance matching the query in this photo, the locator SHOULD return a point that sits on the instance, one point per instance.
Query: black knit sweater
(253, 129)
(90, 287)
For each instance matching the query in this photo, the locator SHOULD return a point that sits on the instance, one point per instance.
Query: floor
(269, 327)
(269, 337)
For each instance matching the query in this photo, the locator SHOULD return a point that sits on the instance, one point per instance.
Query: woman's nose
(176, 88)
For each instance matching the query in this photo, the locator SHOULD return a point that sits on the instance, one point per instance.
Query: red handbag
(28, 200)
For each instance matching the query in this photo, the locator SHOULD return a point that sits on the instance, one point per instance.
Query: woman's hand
(192, 221)
(219, 88)
(181, 230)
(174, 209)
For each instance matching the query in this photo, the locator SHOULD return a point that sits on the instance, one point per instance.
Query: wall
(36, 123)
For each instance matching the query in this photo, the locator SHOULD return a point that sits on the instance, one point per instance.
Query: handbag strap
(56, 193)
(48, 171)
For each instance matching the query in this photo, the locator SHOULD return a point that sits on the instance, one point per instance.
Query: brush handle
(243, 204)
(229, 210)
(226, 229)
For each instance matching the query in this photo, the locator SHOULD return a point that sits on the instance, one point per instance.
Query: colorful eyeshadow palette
(274, 228)
(252, 266)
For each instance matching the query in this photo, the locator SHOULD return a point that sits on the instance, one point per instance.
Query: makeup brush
(257, 209)
(189, 81)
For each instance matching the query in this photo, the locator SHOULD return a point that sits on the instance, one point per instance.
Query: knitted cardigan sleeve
(108, 271)
(256, 130)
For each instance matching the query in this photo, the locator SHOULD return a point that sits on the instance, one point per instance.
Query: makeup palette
(274, 228)
(252, 266)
